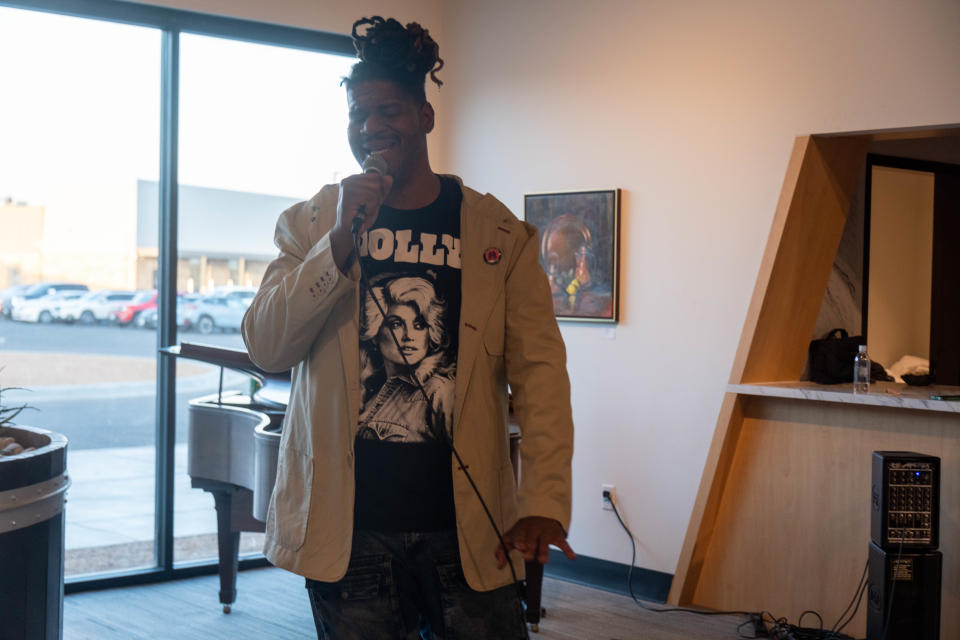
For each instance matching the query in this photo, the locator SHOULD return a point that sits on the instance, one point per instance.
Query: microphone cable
(442, 435)
(780, 628)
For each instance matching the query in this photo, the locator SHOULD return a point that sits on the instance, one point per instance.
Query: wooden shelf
(882, 394)
(781, 518)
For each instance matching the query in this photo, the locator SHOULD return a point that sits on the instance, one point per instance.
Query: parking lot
(219, 309)
(96, 384)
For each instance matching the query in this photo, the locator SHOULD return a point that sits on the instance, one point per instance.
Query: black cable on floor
(633, 561)
(780, 628)
(857, 598)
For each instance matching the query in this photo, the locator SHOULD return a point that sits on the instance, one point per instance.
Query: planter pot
(33, 486)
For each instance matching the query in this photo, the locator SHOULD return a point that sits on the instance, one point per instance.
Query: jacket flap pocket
(292, 497)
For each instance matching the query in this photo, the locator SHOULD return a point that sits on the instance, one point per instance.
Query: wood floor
(272, 605)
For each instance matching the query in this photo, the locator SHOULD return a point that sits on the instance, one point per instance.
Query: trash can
(33, 486)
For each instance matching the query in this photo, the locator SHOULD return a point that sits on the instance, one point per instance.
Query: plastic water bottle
(861, 371)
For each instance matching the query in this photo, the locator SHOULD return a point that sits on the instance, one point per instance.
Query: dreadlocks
(390, 51)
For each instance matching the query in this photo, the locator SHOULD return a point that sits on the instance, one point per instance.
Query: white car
(223, 311)
(34, 291)
(95, 306)
(44, 308)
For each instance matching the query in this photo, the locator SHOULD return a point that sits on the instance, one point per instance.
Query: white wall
(691, 108)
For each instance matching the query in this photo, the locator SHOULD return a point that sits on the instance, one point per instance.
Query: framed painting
(579, 251)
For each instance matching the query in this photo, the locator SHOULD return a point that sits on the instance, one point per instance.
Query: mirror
(900, 268)
(911, 301)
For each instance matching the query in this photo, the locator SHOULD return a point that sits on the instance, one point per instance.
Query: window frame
(172, 22)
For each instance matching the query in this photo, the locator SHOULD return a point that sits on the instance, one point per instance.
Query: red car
(143, 301)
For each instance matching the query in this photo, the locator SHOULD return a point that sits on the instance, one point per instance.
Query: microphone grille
(375, 163)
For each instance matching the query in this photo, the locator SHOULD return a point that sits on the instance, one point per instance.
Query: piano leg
(228, 548)
(533, 590)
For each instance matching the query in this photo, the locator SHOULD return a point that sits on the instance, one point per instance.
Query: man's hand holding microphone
(359, 203)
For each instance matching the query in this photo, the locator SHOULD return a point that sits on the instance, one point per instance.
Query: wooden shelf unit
(781, 518)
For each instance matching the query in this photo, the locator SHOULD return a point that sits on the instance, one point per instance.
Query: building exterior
(225, 240)
(21, 237)
(225, 237)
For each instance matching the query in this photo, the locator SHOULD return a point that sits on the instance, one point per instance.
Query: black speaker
(905, 501)
(904, 595)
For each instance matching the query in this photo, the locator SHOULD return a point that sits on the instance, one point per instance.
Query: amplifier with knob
(905, 501)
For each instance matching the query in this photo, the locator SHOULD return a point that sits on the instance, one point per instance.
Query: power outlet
(605, 503)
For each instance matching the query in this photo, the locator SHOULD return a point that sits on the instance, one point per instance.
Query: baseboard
(649, 585)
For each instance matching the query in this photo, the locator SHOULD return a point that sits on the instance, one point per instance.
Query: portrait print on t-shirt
(394, 408)
(412, 263)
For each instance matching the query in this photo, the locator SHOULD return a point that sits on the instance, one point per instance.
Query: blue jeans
(410, 586)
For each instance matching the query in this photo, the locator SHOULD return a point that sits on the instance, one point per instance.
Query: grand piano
(233, 443)
(233, 440)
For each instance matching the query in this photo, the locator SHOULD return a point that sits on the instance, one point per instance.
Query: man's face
(385, 120)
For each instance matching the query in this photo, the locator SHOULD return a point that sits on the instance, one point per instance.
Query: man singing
(403, 330)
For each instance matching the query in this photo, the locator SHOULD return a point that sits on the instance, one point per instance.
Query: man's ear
(427, 117)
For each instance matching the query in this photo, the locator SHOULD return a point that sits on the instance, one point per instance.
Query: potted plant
(8, 442)
(34, 482)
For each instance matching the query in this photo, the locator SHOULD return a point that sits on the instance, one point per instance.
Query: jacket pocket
(292, 497)
(367, 578)
(450, 573)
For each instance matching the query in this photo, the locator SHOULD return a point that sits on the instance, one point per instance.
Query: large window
(79, 125)
(253, 120)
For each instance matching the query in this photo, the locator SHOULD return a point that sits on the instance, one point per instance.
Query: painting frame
(579, 249)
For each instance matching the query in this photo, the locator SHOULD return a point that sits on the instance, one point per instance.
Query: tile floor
(111, 498)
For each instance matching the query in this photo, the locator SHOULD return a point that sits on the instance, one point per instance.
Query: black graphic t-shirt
(412, 262)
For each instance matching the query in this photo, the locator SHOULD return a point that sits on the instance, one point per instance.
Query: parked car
(42, 289)
(223, 311)
(148, 319)
(95, 306)
(143, 301)
(44, 308)
(235, 293)
(7, 295)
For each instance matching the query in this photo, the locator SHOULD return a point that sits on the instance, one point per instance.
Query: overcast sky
(79, 121)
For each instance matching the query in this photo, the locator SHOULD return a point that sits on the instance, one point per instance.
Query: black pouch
(830, 359)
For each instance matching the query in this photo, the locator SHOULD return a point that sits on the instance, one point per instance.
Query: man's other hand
(532, 537)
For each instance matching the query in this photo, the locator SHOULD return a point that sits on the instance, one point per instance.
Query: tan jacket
(305, 317)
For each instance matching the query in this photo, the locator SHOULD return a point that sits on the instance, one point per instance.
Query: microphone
(373, 163)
